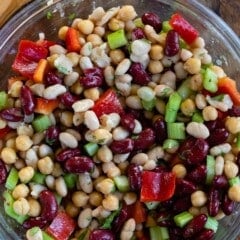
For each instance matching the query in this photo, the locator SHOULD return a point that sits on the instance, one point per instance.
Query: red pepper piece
(183, 28)
(28, 55)
(107, 103)
(4, 132)
(72, 40)
(62, 226)
(139, 212)
(157, 186)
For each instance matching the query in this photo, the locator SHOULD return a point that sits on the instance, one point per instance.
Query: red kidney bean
(137, 33)
(35, 222)
(194, 226)
(145, 139)
(213, 202)
(27, 100)
(140, 76)
(102, 234)
(220, 182)
(67, 153)
(172, 43)
(159, 125)
(163, 219)
(52, 78)
(3, 172)
(168, 204)
(68, 99)
(212, 125)
(134, 174)
(160, 168)
(12, 114)
(153, 20)
(182, 204)
(218, 136)
(49, 206)
(234, 111)
(175, 233)
(193, 150)
(127, 121)
(198, 174)
(122, 146)
(184, 187)
(79, 164)
(206, 234)
(51, 135)
(93, 77)
(227, 205)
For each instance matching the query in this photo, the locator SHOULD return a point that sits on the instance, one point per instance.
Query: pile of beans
(128, 142)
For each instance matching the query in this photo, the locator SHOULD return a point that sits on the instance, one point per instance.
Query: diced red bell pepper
(62, 226)
(139, 212)
(157, 186)
(45, 106)
(183, 28)
(72, 40)
(107, 103)
(45, 43)
(4, 132)
(28, 55)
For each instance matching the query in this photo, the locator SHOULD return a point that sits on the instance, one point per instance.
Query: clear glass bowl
(221, 42)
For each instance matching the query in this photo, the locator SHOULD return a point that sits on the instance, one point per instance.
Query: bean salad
(123, 128)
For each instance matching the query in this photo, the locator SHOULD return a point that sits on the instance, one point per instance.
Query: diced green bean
(91, 148)
(197, 117)
(170, 143)
(39, 178)
(41, 123)
(12, 179)
(172, 107)
(122, 183)
(210, 169)
(117, 39)
(211, 223)
(149, 105)
(176, 130)
(184, 89)
(70, 180)
(210, 80)
(3, 100)
(234, 181)
(166, 26)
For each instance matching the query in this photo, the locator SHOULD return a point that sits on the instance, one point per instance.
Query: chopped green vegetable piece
(184, 89)
(8, 208)
(12, 179)
(46, 236)
(197, 117)
(3, 100)
(211, 223)
(72, 16)
(152, 205)
(117, 39)
(41, 123)
(149, 105)
(49, 15)
(172, 107)
(91, 148)
(39, 178)
(238, 140)
(182, 218)
(166, 26)
(176, 130)
(107, 224)
(159, 233)
(210, 169)
(138, 23)
(210, 80)
(58, 198)
(70, 180)
(182, 44)
(146, 93)
(122, 183)
(84, 234)
(234, 181)
(170, 143)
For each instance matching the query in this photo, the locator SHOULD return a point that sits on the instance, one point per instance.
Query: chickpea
(26, 174)
(115, 24)
(80, 198)
(127, 13)
(188, 107)
(116, 55)
(111, 202)
(85, 26)
(21, 206)
(72, 210)
(210, 113)
(230, 169)
(198, 198)
(62, 32)
(233, 124)
(193, 65)
(106, 186)
(45, 165)
(130, 198)
(94, 39)
(156, 52)
(179, 170)
(35, 207)
(23, 142)
(234, 193)
(21, 190)
(8, 155)
(155, 66)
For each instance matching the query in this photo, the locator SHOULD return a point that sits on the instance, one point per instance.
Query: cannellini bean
(53, 91)
(123, 67)
(71, 78)
(104, 154)
(36, 189)
(108, 15)
(68, 140)
(57, 49)
(109, 75)
(200, 101)
(86, 49)
(120, 133)
(163, 90)
(34, 235)
(83, 105)
(85, 63)
(91, 120)
(230, 169)
(85, 182)
(100, 136)
(155, 153)
(119, 158)
(219, 165)
(197, 130)
(85, 218)
(110, 121)
(128, 229)
(220, 149)
(61, 187)
(140, 158)
(140, 47)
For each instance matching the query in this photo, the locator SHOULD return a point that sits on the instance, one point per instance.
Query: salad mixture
(123, 128)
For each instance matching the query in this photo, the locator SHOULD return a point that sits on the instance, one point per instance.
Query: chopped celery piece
(84, 235)
(170, 143)
(234, 181)
(210, 169)
(8, 208)
(46, 236)
(184, 89)
(166, 26)
(117, 39)
(158, 233)
(182, 218)
(39, 178)
(152, 205)
(211, 223)
(107, 224)
(182, 43)
(197, 117)
(3, 100)
(172, 107)
(149, 105)
(12, 179)
(176, 130)
(41, 123)
(138, 23)
(210, 80)
(91, 148)
(70, 180)
(122, 183)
